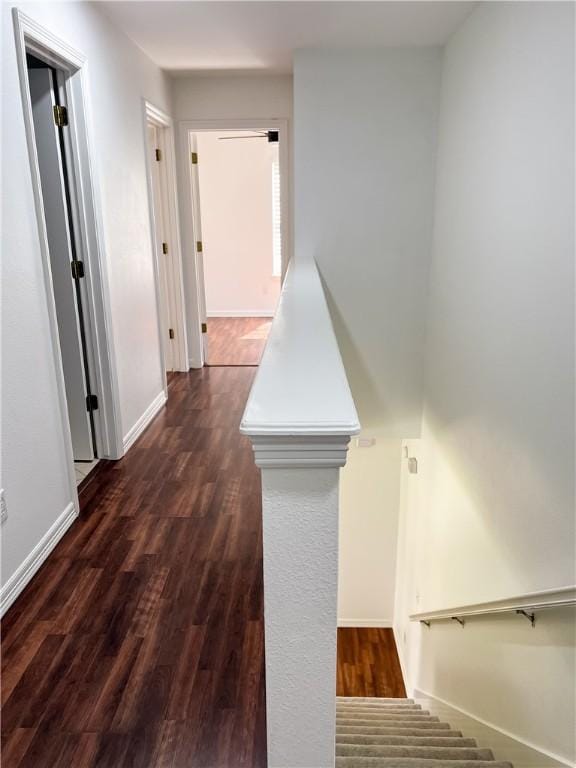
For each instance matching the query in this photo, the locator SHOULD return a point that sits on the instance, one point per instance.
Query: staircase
(397, 733)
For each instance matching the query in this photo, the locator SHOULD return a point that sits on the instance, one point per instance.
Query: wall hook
(530, 616)
(427, 623)
(459, 620)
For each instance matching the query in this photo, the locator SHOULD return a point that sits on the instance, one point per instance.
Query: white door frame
(31, 37)
(187, 128)
(158, 118)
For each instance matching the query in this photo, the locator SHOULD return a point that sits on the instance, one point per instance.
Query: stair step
(412, 741)
(415, 762)
(372, 700)
(369, 720)
(373, 732)
(380, 709)
(431, 753)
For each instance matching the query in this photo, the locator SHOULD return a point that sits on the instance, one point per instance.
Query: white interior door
(168, 327)
(198, 244)
(61, 256)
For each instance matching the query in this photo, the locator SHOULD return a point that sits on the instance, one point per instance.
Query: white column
(300, 478)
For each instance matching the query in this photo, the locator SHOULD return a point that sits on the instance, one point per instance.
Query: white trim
(30, 36)
(155, 116)
(20, 578)
(366, 623)
(491, 736)
(135, 431)
(195, 287)
(287, 451)
(301, 388)
(546, 598)
(242, 313)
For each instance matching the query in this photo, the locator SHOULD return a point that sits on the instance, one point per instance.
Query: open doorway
(50, 118)
(239, 239)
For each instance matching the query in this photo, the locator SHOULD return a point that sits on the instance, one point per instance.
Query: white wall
(365, 125)
(235, 176)
(224, 97)
(33, 459)
(369, 497)
(491, 513)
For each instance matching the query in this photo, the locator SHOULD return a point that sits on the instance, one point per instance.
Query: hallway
(140, 641)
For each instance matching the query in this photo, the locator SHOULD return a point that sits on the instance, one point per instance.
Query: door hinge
(199, 246)
(158, 153)
(204, 328)
(77, 268)
(164, 247)
(91, 403)
(171, 332)
(194, 156)
(60, 116)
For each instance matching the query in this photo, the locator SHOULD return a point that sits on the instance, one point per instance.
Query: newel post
(300, 477)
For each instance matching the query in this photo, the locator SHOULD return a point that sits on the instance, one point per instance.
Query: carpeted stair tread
(409, 709)
(411, 741)
(425, 721)
(351, 731)
(415, 762)
(432, 753)
(398, 733)
(372, 700)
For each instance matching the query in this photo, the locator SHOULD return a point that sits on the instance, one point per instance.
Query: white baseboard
(134, 433)
(20, 578)
(505, 745)
(241, 313)
(365, 623)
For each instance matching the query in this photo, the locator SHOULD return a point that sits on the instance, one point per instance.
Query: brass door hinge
(199, 246)
(77, 268)
(171, 332)
(204, 328)
(60, 116)
(164, 247)
(194, 156)
(158, 153)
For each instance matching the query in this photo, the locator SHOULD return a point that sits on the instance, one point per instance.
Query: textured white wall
(364, 138)
(369, 497)
(33, 459)
(300, 529)
(236, 208)
(491, 513)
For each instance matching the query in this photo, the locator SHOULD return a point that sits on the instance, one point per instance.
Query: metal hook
(427, 623)
(458, 619)
(530, 616)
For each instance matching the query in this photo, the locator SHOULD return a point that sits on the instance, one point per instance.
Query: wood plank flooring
(368, 664)
(237, 340)
(140, 641)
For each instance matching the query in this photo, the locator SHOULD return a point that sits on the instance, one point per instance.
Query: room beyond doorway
(239, 236)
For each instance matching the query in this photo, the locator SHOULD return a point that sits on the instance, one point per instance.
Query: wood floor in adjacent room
(139, 643)
(237, 340)
(368, 664)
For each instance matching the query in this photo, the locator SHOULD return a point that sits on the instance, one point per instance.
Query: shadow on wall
(370, 406)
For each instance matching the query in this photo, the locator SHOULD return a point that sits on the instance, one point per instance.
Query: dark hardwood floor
(140, 641)
(237, 340)
(368, 664)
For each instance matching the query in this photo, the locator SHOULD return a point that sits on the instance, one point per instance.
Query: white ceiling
(209, 35)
